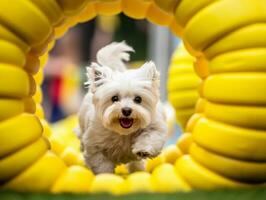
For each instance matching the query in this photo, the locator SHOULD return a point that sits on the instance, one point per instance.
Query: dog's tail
(114, 55)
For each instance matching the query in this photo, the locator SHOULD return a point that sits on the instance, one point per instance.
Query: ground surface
(250, 194)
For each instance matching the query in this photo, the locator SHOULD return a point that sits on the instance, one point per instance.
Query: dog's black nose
(126, 111)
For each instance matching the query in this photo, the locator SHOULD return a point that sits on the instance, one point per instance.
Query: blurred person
(60, 58)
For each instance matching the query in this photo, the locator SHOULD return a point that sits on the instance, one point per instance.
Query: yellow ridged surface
(171, 153)
(236, 88)
(41, 48)
(6, 34)
(136, 9)
(158, 16)
(165, 179)
(182, 85)
(180, 67)
(248, 37)
(239, 61)
(184, 142)
(87, 13)
(44, 58)
(233, 87)
(193, 121)
(167, 5)
(247, 12)
(232, 141)
(11, 54)
(61, 30)
(184, 115)
(185, 82)
(200, 105)
(139, 182)
(64, 137)
(72, 157)
(29, 105)
(229, 127)
(107, 183)
(57, 146)
(45, 171)
(32, 64)
(122, 170)
(11, 107)
(200, 177)
(47, 132)
(71, 7)
(184, 98)
(201, 67)
(108, 8)
(18, 161)
(186, 9)
(39, 77)
(151, 164)
(51, 9)
(15, 133)
(38, 95)
(14, 82)
(27, 15)
(39, 111)
(232, 168)
(49, 47)
(244, 116)
(74, 179)
(176, 29)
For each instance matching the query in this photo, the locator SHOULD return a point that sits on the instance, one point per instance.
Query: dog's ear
(97, 76)
(149, 71)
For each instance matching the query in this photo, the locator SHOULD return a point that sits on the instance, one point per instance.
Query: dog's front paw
(145, 152)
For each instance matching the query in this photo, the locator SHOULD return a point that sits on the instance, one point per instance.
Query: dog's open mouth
(126, 122)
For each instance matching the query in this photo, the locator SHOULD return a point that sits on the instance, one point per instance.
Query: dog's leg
(98, 163)
(149, 143)
(135, 166)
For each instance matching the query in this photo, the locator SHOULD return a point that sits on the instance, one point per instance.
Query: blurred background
(63, 86)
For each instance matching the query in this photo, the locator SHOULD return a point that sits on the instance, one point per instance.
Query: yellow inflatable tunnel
(183, 85)
(225, 141)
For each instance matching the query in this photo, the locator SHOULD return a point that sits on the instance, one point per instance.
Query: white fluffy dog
(121, 119)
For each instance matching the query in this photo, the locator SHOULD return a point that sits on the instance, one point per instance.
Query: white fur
(113, 55)
(104, 141)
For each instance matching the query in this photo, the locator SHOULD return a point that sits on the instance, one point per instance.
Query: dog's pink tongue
(126, 123)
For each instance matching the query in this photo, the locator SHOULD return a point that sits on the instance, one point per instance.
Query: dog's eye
(138, 99)
(115, 98)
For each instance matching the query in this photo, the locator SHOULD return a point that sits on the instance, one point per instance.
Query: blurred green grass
(247, 194)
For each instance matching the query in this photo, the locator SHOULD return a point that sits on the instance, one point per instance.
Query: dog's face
(126, 101)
